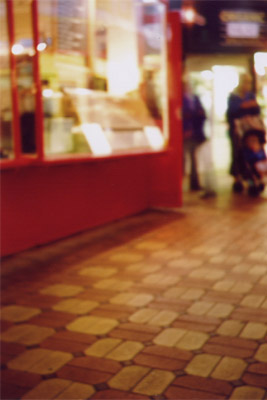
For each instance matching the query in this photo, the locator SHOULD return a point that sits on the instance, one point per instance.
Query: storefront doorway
(213, 78)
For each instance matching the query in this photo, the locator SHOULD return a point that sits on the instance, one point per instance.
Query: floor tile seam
(63, 389)
(165, 356)
(91, 368)
(220, 358)
(235, 345)
(76, 367)
(35, 363)
(203, 390)
(143, 377)
(114, 348)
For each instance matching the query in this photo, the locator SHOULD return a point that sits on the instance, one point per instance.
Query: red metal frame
(39, 125)
(14, 87)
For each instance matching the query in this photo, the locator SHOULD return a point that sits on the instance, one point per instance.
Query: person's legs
(235, 169)
(194, 179)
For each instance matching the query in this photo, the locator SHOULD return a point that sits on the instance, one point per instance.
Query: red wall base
(42, 204)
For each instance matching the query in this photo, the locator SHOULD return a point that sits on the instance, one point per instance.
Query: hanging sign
(243, 28)
(72, 26)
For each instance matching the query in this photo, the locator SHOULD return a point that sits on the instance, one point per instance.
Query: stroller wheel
(238, 187)
(253, 191)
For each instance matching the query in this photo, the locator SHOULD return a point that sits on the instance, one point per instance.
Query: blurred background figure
(239, 101)
(193, 131)
(247, 134)
(254, 158)
(196, 146)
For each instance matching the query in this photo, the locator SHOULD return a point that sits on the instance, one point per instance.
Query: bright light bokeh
(96, 139)
(41, 46)
(226, 79)
(17, 49)
(47, 93)
(207, 74)
(260, 63)
(154, 137)
(123, 76)
(189, 15)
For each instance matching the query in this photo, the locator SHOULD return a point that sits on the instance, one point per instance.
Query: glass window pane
(104, 76)
(24, 52)
(6, 116)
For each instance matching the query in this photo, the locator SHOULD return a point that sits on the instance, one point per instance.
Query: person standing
(241, 102)
(193, 132)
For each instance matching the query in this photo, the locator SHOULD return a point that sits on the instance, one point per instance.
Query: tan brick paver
(92, 325)
(16, 313)
(102, 347)
(230, 328)
(154, 383)
(202, 365)
(128, 377)
(60, 389)
(125, 351)
(27, 334)
(169, 337)
(40, 361)
(247, 393)
(261, 354)
(254, 330)
(192, 340)
(229, 369)
(75, 306)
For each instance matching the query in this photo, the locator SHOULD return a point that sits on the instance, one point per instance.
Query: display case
(103, 74)
(83, 79)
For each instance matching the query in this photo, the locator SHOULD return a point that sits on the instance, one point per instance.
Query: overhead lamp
(17, 49)
(41, 46)
(189, 15)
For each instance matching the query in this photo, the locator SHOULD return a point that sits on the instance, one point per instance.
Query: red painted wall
(40, 204)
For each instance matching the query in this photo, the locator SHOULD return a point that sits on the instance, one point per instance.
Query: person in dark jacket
(193, 132)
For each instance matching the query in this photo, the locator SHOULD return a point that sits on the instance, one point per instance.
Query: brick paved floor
(161, 305)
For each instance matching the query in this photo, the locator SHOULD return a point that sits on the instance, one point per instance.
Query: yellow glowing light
(96, 139)
(41, 46)
(154, 137)
(17, 49)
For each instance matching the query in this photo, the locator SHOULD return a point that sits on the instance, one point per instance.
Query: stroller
(251, 155)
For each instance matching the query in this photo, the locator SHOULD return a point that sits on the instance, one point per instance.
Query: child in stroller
(254, 160)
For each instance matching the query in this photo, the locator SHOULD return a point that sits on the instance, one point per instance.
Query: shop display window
(103, 76)
(6, 113)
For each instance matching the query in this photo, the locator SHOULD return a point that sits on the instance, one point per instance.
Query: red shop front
(90, 116)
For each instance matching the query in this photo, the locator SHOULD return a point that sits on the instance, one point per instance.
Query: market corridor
(161, 305)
